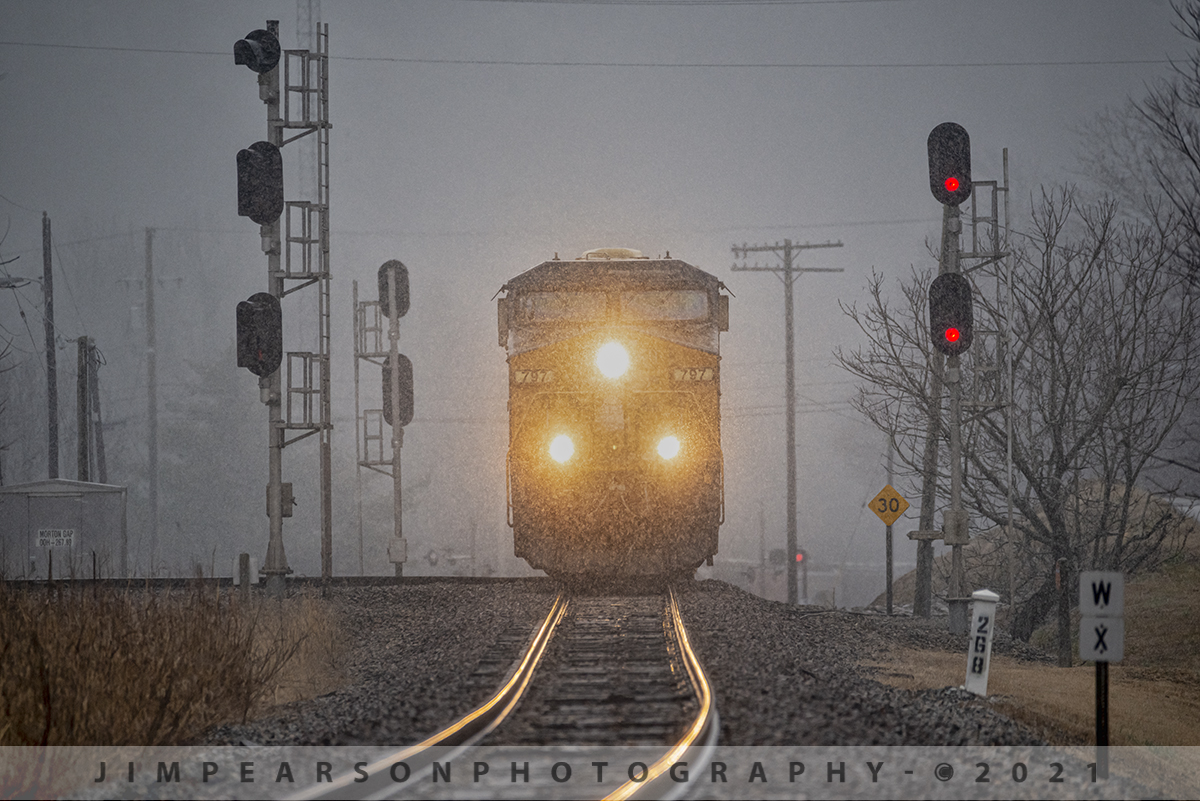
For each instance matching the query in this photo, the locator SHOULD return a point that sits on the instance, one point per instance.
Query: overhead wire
(635, 64)
(24, 319)
(18, 205)
(70, 293)
(714, 3)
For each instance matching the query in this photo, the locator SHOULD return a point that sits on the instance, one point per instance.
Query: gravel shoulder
(418, 655)
(790, 676)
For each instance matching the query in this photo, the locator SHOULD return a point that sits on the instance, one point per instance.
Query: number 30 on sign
(889, 505)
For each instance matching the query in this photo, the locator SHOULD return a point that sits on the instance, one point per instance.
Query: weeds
(104, 667)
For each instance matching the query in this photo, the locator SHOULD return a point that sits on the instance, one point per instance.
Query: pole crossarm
(737, 269)
(787, 245)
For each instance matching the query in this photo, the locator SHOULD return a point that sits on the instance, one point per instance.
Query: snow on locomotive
(614, 457)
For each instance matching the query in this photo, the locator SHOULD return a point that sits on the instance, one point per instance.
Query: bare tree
(1171, 114)
(1103, 343)
(1148, 153)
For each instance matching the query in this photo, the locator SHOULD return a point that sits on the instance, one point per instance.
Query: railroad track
(611, 670)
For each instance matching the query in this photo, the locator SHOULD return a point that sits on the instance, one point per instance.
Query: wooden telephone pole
(788, 274)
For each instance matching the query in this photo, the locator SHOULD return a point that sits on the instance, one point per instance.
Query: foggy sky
(471, 172)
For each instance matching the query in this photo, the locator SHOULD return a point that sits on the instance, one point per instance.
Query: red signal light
(799, 557)
(952, 334)
(951, 184)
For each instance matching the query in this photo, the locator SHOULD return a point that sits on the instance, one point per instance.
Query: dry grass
(82, 666)
(1060, 702)
(1154, 692)
(307, 632)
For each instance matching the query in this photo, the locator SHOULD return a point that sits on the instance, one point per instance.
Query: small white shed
(65, 526)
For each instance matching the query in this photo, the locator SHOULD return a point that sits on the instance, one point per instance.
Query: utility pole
(888, 534)
(788, 274)
(82, 413)
(51, 358)
(97, 424)
(151, 400)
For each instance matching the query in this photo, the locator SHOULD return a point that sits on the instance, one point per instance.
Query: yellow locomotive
(614, 457)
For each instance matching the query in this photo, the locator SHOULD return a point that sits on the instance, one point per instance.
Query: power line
(790, 65)
(636, 64)
(18, 205)
(523, 232)
(25, 320)
(62, 268)
(693, 2)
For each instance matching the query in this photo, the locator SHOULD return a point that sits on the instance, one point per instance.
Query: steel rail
(700, 737)
(464, 732)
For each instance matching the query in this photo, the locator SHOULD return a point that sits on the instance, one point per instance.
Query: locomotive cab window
(561, 307)
(665, 304)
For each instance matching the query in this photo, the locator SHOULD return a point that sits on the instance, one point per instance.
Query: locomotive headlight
(561, 448)
(668, 447)
(612, 359)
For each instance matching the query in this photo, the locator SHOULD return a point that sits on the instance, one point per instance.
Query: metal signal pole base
(275, 568)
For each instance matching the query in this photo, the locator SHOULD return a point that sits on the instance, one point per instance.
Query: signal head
(260, 334)
(405, 373)
(950, 163)
(396, 270)
(260, 182)
(950, 315)
(259, 51)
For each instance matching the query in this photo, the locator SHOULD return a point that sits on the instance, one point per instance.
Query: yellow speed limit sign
(889, 505)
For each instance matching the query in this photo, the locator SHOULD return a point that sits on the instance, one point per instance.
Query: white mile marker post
(979, 652)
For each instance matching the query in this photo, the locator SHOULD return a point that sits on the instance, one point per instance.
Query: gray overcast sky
(471, 168)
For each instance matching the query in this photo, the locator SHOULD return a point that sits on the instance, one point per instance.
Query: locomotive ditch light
(612, 360)
(668, 447)
(561, 448)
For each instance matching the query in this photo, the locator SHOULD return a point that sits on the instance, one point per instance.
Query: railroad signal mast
(950, 324)
(953, 331)
(397, 393)
(397, 396)
(295, 238)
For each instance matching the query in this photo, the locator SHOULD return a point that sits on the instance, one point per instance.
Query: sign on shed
(70, 524)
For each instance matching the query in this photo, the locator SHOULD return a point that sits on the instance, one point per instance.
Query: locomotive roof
(616, 273)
